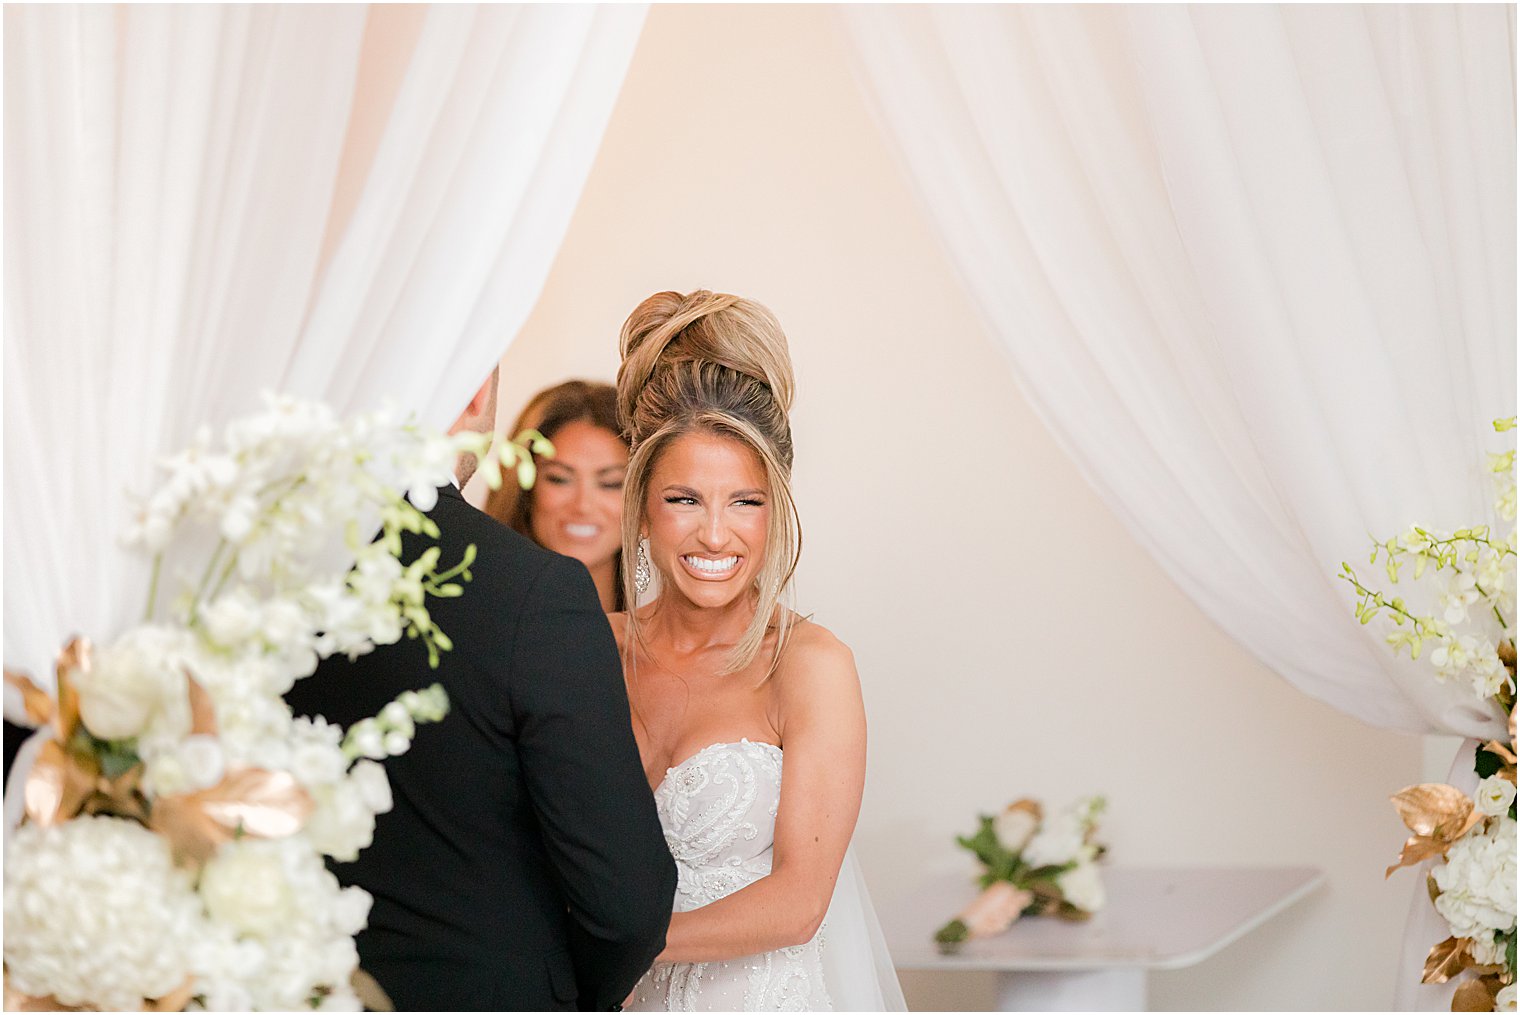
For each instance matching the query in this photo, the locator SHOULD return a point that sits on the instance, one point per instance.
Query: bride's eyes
(750, 502)
(677, 499)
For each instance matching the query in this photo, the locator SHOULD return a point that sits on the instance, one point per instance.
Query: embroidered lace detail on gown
(718, 809)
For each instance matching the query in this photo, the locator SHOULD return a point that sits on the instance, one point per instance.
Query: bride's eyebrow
(747, 493)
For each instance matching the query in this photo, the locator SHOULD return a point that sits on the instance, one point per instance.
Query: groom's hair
(713, 363)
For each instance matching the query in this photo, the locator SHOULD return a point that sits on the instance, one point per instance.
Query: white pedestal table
(1156, 918)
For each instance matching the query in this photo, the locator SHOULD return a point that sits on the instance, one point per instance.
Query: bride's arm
(822, 723)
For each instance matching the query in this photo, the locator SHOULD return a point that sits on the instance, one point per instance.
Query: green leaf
(1487, 763)
(952, 935)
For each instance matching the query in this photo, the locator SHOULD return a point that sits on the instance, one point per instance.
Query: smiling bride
(726, 682)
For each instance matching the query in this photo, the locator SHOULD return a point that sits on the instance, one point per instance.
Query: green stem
(158, 563)
(200, 591)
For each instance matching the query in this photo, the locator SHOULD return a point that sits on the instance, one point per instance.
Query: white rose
(244, 886)
(1506, 999)
(1494, 795)
(1477, 882)
(1014, 827)
(130, 682)
(1059, 842)
(1082, 887)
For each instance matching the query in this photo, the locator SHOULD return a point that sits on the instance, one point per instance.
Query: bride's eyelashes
(741, 502)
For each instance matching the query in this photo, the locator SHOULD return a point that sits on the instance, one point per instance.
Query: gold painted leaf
(248, 801)
(1436, 810)
(57, 786)
(202, 711)
(1418, 848)
(76, 655)
(1474, 995)
(1447, 959)
(38, 703)
(175, 1000)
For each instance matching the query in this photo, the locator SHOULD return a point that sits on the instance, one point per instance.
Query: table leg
(1120, 989)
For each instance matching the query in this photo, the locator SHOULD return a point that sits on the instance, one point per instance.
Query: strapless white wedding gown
(718, 809)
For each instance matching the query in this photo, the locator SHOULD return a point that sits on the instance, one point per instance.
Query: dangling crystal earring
(641, 573)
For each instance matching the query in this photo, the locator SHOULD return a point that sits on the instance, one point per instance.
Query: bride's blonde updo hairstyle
(712, 363)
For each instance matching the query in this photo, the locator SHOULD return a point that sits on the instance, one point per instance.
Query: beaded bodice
(718, 809)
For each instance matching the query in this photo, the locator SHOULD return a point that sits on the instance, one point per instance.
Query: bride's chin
(710, 595)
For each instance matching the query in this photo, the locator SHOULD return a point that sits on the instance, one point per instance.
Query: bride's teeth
(712, 566)
(582, 531)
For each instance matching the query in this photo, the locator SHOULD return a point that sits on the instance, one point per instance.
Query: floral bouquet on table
(1031, 867)
(176, 820)
(1470, 641)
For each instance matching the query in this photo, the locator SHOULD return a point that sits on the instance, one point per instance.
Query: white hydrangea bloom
(1477, 882)
(96, 913)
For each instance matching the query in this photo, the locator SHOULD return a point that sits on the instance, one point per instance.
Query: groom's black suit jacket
(523, 866)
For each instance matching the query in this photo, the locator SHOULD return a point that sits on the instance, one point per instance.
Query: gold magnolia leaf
(119, 795)
(202, 711)
(1029, 806)
(1436, 810)
(1447, 959)
(1474, 995)
(369, 992)
(57, 786)
(38, 703)
(1418, 848)
(76, 655)
(248, 801)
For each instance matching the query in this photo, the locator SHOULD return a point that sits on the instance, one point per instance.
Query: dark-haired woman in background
(575, 508)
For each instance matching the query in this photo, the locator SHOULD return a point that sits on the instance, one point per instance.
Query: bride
(725, 682)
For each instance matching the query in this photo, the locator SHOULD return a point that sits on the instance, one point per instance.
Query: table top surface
(1156, 918)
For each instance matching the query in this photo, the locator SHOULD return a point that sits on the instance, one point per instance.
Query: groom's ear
(480, 414)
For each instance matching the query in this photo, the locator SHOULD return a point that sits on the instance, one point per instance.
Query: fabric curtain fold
(1253, 267)
(170, 177)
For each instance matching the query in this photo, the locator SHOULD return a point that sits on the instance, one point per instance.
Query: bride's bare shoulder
(815, 654)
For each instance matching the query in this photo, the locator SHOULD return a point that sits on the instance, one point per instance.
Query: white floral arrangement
(1471, 642)
(1031, 866)
(171, 853)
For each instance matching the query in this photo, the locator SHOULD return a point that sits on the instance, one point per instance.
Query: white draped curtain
(204, 201)
(1255, 268)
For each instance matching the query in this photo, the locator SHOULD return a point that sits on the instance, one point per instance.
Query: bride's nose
(714, 534)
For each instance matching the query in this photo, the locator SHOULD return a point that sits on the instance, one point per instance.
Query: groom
(523, 866)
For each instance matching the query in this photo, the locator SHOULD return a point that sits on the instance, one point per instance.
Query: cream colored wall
(1011, 636)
